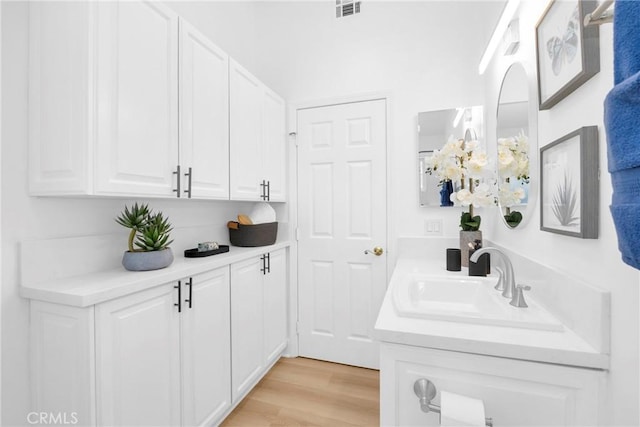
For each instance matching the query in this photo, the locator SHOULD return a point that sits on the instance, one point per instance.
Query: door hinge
(297, 234)
(293, 136)
(297, 328)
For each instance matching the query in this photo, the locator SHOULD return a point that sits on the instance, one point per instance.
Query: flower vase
(467, 237)
(445, 193)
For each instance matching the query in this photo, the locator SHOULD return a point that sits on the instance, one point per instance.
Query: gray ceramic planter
(467, 237)
(144, 261)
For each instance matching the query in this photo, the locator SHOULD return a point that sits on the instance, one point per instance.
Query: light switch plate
(433, 227)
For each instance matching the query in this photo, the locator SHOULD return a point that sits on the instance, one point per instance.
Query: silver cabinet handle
(177, 174)
(188, 175)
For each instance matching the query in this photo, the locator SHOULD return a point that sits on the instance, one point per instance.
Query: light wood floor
(307, 392)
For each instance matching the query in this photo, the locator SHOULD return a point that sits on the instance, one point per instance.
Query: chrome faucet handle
(518, 296)
(500, 285)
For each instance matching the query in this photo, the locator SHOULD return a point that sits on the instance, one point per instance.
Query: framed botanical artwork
(569, 184)
(568, 54)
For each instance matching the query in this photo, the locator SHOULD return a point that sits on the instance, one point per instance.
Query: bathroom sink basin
(466, 299)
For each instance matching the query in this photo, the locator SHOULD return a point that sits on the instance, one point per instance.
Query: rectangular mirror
(435, 128)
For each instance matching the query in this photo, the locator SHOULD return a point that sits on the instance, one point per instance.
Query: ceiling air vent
(347, 7)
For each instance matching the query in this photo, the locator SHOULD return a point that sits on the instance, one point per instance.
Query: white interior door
(341, 213)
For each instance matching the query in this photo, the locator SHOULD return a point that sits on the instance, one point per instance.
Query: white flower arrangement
(460, 161)
(513, 165)
(513, 157)
(509, 197)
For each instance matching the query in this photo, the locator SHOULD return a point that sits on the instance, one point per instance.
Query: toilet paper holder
(426, 392)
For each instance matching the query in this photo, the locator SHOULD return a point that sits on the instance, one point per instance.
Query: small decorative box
(207, 246)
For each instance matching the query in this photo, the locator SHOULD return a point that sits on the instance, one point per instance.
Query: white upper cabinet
(245, 118)
(128, 99)
(257, 141)
(204, 115)
(137, 93)
(60, 117)
(273, 147)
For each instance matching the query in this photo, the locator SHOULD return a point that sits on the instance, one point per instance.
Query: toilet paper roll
(457, 410)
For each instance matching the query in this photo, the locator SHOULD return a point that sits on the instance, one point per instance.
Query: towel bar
(426, 391)
(601, 15)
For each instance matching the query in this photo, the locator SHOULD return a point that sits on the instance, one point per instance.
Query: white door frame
(292, 126)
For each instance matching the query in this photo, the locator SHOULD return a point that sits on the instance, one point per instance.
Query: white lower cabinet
(258, 318)
(158, 348)
(515, 392)
(157, 357)
(62, 346)
(161, 356)
(275, 306)
(138, 359)
(206, 350)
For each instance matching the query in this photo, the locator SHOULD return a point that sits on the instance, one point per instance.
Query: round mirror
(513, 133)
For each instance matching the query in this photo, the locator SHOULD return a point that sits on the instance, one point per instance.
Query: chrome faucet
(507, 278)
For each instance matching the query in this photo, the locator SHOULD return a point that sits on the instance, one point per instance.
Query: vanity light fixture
(458, 116)
(511, 38)
(503, 23)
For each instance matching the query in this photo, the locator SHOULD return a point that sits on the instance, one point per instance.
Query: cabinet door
(204, 114)
(245, 117)
(137, 99)
(62, 361)
(275, 306)
(59, 102)
(246, 326)
(514, 392)
(206, 348)
(138, 359)
(274, 140)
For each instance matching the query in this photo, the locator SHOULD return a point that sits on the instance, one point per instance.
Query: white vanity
(541, 365)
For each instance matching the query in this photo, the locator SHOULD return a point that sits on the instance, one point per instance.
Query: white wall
(229, 24)
(423, 54)
(594, 261)
(29, 218)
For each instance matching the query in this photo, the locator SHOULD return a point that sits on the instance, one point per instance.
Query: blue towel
(622, 123)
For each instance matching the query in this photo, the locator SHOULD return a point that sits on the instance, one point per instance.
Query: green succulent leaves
(513, 219)
(135, 218)
(469, 223)
(152, 230)
(154, 236)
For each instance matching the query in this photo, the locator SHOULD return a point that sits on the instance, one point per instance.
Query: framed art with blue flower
(568, 54)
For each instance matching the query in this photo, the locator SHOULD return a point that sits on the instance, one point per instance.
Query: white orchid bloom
(462, 197)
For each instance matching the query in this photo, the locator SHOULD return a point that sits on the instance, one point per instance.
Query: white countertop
(93, 288)
(565, 348)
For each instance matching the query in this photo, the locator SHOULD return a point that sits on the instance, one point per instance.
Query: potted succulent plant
(148, 240)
